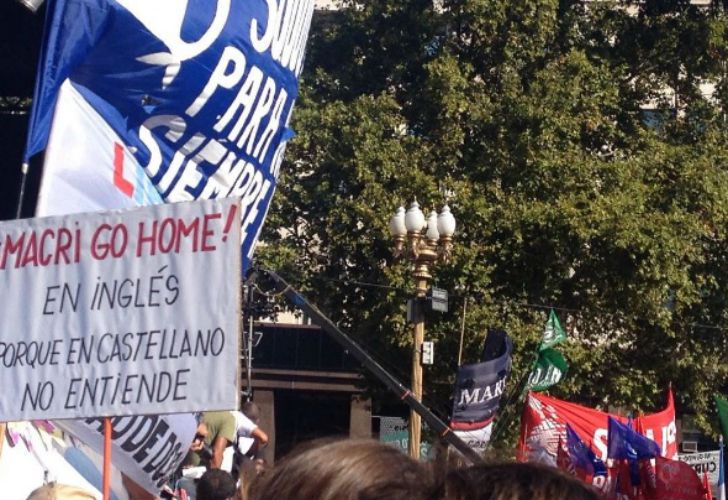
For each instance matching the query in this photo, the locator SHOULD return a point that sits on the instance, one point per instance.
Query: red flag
(648, 478)
(706, 486)
(611, 488)
(623, 487)
(545, 419)
(563, 461)
(677, 481)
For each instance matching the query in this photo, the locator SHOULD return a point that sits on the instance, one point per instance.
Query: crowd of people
(227, 441)
(360, 469)
(223, 464)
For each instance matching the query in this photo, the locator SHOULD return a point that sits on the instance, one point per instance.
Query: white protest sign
(147, 448)
(702, 462)
(120, 313)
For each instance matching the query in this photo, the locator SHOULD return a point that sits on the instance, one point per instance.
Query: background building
(306, 386)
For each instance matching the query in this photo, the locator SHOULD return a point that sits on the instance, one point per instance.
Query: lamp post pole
(423, 250)
(415, 421)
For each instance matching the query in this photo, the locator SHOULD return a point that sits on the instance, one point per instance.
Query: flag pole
(106, 489)
(462, 332)
(24, 171)
(2, 437)
(518, 392)
(515, 397)
(721, 471)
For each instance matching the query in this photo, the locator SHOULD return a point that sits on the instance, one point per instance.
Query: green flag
(722, 405)
(550, 368)
(553, 332)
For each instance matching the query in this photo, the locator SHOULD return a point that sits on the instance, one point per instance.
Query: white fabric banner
(31, 456)
(120, 313)
(149, 449)
(477, 439)
(704, 462)
(87, 168)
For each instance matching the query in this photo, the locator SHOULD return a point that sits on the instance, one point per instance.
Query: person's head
(54, 491)
(251, 411)
(352, 469)
(249, 470)
(515, 481)
(216, 484)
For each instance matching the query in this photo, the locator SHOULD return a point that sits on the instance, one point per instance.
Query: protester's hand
(199, 440)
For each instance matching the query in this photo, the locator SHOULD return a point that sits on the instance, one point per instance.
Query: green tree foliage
(567, 191)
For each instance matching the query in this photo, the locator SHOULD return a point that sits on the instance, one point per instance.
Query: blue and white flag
(479, 386)
(478, 391)
(141, 101)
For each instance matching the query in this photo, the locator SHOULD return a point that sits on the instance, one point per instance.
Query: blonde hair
(54, 491)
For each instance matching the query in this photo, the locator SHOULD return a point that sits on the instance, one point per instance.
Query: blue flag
(167, 101)
(479, 386)
(626, 444)
(581, 455)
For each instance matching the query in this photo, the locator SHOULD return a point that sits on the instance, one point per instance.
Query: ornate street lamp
(424, 243)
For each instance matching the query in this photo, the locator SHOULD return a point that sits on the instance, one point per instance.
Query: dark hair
(251, 410)
(216, 484)
(351, 469)
(515, 481)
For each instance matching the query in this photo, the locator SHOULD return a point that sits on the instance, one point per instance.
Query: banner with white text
(120, 313)
(544, 422)
(142, 101)
(706, 462)
(148, 448)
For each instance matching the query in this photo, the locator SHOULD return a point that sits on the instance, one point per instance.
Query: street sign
(428, 353)
(438, 299)
(393, 431)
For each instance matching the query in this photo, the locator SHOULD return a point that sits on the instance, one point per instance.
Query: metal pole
(249, 346)
(518, 392)
(106, 480)
(462, 332)
(437, 425)
(415, 422)
(21, 196)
